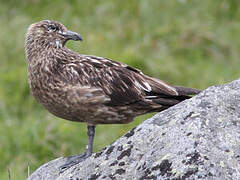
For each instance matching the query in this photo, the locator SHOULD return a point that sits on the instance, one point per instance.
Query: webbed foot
(72, 160)
(75, 159)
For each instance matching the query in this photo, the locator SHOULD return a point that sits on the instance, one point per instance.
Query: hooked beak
(69, 35)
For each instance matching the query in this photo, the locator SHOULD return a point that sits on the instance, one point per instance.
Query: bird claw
(71, 161)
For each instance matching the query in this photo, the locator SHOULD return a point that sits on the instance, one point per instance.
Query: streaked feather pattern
(91, 89)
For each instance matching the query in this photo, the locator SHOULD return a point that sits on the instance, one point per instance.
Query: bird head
(50, 33)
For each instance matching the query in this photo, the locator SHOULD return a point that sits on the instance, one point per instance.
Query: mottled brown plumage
(87, 88)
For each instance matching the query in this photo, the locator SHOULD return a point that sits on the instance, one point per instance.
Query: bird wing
(122, 83)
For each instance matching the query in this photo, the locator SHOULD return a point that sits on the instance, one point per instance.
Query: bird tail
(184, 91)
(183, 94)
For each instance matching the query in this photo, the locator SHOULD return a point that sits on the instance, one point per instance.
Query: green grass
(185, 42)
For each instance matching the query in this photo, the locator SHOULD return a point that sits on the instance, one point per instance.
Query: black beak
(69, 35)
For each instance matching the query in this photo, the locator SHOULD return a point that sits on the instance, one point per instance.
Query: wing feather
(122, 83)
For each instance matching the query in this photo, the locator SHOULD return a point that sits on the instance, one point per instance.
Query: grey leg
(89, 147)
(75, 159)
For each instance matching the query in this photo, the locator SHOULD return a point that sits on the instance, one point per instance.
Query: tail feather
(169, 100)
(184, 91)
(166, 101)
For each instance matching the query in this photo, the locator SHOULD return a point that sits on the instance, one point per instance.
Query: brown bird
(90, 89)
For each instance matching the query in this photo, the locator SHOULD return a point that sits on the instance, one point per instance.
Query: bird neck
(47, 56)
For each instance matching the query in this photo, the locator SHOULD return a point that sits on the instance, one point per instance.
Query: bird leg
(89, 147)
(75, 159)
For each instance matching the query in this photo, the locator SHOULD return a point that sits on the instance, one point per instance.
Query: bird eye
(52, 28)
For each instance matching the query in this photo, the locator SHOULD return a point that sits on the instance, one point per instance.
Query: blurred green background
(185, 42)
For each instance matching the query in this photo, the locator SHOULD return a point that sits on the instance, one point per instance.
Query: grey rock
(196, 139)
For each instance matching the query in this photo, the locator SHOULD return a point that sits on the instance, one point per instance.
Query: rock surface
(196, 139)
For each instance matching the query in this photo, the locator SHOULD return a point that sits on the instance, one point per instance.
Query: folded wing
(123, 84)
